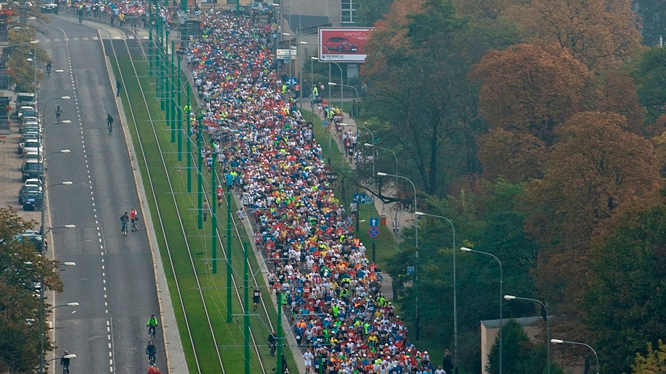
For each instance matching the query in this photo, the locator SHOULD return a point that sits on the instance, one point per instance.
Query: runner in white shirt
(308, 357)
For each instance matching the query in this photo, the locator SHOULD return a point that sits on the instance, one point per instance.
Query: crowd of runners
(333, 291)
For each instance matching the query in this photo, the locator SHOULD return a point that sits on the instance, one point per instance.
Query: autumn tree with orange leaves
(602, 34)
(595, 172)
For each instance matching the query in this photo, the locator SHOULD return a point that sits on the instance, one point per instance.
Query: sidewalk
(392, 210)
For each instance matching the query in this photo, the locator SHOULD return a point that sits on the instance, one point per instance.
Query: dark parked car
(32, 236)
(31, 169)
(25, 190)
(33, 201)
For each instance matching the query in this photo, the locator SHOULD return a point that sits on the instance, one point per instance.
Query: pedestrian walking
(118, 87)
(205, 210)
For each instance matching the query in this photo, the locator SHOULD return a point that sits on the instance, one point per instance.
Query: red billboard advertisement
(343, 44)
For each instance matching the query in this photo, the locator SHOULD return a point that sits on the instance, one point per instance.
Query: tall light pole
(42, 314)
(455, 296)
(511, 297)
(465, 249)
(558, 341)
(416, 253)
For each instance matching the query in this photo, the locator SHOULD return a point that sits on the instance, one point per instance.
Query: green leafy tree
(516, 351)
(626, 301)
(650, 77)
(371, 11)
(21, 269)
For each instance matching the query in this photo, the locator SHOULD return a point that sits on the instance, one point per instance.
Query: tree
(618, 95)
(595, 173)
(517, 350)
(626, 302)
(21, 269)
(599, 33)
(513, 156)
(529, 89)
(650, 78)
(371, 11)
(653, 362)
(416, 70)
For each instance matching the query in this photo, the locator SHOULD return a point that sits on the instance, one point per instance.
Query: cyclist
(58, 112)
(133, 219)
(109, 121)
(150, 351)
(152, 324)
(123, 220)
(64, 362)
(272, 342)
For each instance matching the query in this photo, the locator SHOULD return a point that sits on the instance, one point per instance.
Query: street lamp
(71, 355)
(511, 297)
(41, 315)
(465, 249)
(558, 341)
(455, 295)
(345, 85)
(416, 235)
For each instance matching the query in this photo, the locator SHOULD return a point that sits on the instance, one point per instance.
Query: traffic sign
(362, 198)
(373, 232)
(292, 81)
(374, 221)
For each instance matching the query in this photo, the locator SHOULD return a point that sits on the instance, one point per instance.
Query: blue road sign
(373, 232)
(374, 221)
(362, 198)
(292, 81)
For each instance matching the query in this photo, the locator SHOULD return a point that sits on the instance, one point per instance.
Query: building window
(348, 11)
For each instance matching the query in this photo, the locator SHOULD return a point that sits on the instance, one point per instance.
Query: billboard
(343, 44)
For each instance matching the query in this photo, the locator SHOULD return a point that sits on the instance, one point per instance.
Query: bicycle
(48, 69)
(135, 228)
(151, 332)
(124, 229)
(151, 360)
(58, 112)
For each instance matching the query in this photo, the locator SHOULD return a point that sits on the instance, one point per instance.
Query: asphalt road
(113, 279)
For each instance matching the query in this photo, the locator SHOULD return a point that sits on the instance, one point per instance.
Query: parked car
(36, 181)
(34, 237)
(259, 7)
(33, 201)
(25, 121)
(32, 145)
(27, 111)
(30, 137)
(31, 169)
(49, 6)
(33, 156)
(25, 190)
(32, 127)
